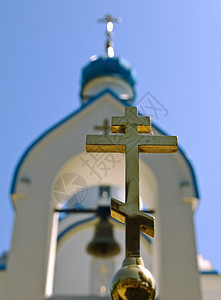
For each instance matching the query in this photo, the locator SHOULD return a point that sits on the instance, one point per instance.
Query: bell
(103, 243)
(133, 281)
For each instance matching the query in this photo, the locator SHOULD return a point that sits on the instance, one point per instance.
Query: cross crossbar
(131, 140)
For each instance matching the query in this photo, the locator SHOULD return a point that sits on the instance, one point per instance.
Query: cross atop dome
(109, 20)
(108, 73)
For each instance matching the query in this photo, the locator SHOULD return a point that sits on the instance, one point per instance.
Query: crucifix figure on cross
(132, 140)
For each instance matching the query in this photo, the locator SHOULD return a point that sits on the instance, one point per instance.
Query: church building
(61, 196)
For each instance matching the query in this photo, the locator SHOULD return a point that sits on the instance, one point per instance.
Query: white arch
(34, 237)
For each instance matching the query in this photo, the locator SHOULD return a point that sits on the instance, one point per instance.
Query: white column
(28, 259)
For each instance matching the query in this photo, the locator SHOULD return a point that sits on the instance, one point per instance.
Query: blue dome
(108, 66)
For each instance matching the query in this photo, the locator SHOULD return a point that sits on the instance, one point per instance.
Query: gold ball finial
(133, 281)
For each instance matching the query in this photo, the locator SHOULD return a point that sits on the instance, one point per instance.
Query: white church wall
(32, 243)
(72, 256)
(175, 236)
(120, 87)
(2, 281)
(211, 286)
(65, 268)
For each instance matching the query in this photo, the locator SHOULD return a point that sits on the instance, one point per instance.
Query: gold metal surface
(133, 281)
(117, 144)
(132, 141)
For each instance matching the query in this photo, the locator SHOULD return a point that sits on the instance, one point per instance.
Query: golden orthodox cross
(131, 142)
(109, 20)
(105, 127)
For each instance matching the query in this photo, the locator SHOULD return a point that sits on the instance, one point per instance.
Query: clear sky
(175, 48)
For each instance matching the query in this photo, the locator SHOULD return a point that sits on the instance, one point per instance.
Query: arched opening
(76, 185)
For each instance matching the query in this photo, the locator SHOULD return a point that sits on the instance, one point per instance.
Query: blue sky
(175, 48)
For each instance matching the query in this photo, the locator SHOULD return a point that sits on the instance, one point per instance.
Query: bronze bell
(103, 243)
